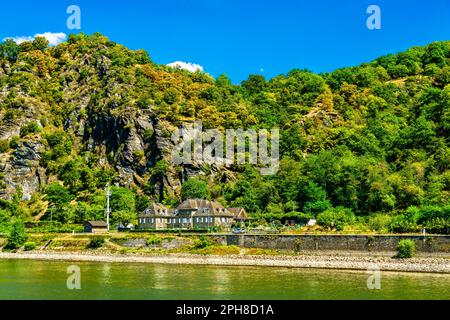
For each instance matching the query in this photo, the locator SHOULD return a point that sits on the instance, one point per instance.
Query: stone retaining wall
(334, 242)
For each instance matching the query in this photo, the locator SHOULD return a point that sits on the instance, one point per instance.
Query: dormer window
(205, 210)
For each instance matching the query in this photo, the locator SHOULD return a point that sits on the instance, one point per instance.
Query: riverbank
(347, 261)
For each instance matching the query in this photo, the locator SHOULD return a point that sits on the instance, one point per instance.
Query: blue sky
(242, 37)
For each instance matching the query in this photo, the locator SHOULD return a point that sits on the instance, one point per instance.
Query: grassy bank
(137, 243)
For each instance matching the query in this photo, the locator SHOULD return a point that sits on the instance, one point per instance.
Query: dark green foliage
(123, 218)
(142, 202)
(60, 145)
(9, 50)
(4, 146)
(335, 218)
(254, 84)
(202, 242)
(154, 240)
(14, 143)
(96, 243)
(58, 194)
(122, 199)
(17, 237)
(194, 188)
(30, 128)
(406, 249)
(315, 199)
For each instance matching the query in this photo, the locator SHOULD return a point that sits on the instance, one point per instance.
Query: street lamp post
(108, 209)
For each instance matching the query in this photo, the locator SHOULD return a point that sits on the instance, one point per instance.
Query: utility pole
(108, 209)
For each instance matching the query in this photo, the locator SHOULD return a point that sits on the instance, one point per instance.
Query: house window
(205, 210)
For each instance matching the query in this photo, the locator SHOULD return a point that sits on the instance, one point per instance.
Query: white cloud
(19, 40)
(191, 67)
(53, 38)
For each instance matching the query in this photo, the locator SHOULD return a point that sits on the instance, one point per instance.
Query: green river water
(26, 279)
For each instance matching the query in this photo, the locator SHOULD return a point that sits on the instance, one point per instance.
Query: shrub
(154, 240)
(139, 155)
(28, 246)
(379, 222)
(438, 226)
(17, 237)
(335, 218)
(4, 146)
(202, 242)
(14, 143)
(435, 219)
(406, 249)
(96, 243)
(148, 134)
(31, 127)
(401, 224)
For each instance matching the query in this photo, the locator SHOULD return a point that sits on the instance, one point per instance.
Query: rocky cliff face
(84, 93)
(120, 142)
(21, 170)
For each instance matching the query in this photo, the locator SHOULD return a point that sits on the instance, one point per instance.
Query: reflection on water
(21, 279)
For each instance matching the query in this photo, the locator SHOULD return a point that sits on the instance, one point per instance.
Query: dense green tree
(194, 188)
(9, 50)
(122, 199)
(123, 218)
(255, 84)
(17, 237)
(40, 43)
(315, 199)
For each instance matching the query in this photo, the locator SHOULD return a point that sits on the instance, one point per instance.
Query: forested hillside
(365, 145)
